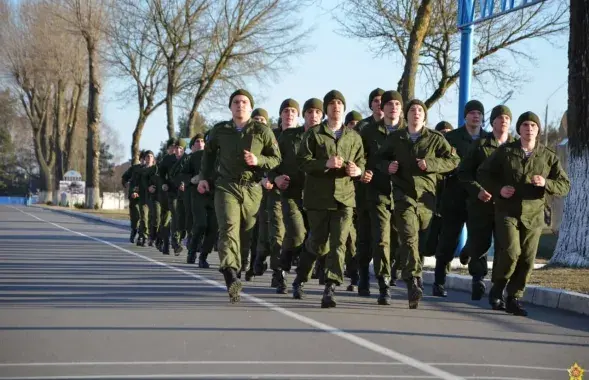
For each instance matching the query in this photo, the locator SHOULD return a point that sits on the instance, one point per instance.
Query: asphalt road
(77, 300)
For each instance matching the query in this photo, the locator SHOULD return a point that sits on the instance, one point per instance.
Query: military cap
(500, 110)
(313, 103)
(474, 105)
(351, 116)
(241, 92)
(387, 96)
(413, 102)
(527, 116)
(373, 94)
(289, 103)
(331, 95)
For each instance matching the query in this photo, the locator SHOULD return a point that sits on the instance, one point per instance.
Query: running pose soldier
(134, 212)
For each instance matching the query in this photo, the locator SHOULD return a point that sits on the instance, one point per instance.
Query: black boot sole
(498, 305)
(234, 291)
(351, 288)
(415, 296)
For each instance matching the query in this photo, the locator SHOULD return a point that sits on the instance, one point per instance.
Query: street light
(546, 112)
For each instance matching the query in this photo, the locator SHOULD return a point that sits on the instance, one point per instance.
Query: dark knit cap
(170, 143)
(500, 110)
(376, 92)
(474, 105)
(442, 125)
(196, 137)
(331, 95)
(244, 93)
(387, 96)
(413, 102)
(289, 103)
(147, 152)
(528, 116)
(181, 143)
(260, 112)
(351, 116)
(313, 103)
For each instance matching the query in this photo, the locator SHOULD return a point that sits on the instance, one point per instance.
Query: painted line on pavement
(359, 341)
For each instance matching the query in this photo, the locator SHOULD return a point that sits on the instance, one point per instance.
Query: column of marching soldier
(339, 192)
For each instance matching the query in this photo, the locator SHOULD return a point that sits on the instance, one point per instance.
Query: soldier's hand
(194, 180)
(538, 180)
(282, 181)
(250, 158)
(352, 170)
(203, 186)
(484, 195)
(367, 176)
(393, 167)
(334, 162)
(181, 187)
(151, 189)
(165, 187)
(421, 163)
(266, 184)
(507, 191)
(136, 189)
(134, 195)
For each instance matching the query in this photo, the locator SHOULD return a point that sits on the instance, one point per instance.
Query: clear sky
(346, 64)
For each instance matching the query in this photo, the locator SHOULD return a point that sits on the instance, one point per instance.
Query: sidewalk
(535, 295)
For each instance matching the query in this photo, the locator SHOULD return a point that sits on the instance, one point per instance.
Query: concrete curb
(79, 214)
(535, 295)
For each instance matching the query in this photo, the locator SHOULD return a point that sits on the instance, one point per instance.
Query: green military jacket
(373, 137)
(467, 171)
(225, 147)
(128, 175)
(325, 188)
(191, 169)
(410, 183)
(289, 143)
(508, 166)
(461, 141)
(164, 173)
(178, 175)
(365, 122)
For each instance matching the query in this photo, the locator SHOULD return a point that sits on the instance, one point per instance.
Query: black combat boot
(298, 291)
(328, 299)
(151, 239)
(384, 297)
(191, 257)
(514, 307)
(177, 247)
(354, 279)
(260, 265)
(478, 289)
(496, 298)
(414, 292)
(439, 290)
(202, 261)
(166, 247)
(132, 236)
(159, 244)
(364, 282)
(233, 285)
(281, 282)
(141, 241)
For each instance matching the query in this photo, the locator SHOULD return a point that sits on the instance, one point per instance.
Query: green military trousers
(178, 217)
(236, 207)
(204, 223)
(364, 237)
(413, 220)
(350, 258)
(515, 251)
(481, 227)
(187, 199)
(275, 228)
(134, 213)
(166, 215)
(326, 227)
(155, 217)
(294, 231)
(144, 223)
(382, 227)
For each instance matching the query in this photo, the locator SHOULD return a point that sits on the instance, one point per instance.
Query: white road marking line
(306, 320)
(253, 376)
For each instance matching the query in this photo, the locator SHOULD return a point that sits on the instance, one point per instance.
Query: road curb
(79, 214)
(535, 295)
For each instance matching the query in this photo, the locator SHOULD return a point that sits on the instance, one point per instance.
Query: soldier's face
(375, 106)
(199, 144)
(313, 116)
(241, 107)
(289, 117)
(474, 119)
(352, 124)
(501, 124)
(171, 149)
(261, 119)
(335, 109)
(392, 109)
(528, 131)
(416, 116)
(179, 151)
(149, 160)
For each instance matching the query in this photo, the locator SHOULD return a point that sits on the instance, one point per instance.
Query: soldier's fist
(266, 184)
(334, 162)
(250, 158)
(507, 191)
(393, 167)
(134, 195)
(165, 187)
(194, 180)
(181, 187)
(367, 176)
(282, 181)
(538, 180)
(203, 186)
(352, 170)
(484, 195)
(421, 164)
(151, 189)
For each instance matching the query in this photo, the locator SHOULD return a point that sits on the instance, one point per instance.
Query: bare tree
(572, 248)
(134, 55)
(88, 18)
(245, 39)
(424, 35)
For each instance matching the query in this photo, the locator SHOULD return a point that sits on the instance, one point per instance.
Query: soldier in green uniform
(140, 181)
(175, 199)
(204, 227)
(134, 212)
(453, 206)
(378, 197)
(518, 176)
(164, 167)
(332, 157)
(242, 150)
(481, 213)
(151, 180)
(414, 156)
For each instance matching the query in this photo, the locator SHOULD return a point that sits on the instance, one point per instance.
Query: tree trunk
(93, 141)
(422, 19)
(59, 128)
(72, 125)
(45, 170)
(170, 102)
(572, 248)
(137, 137)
